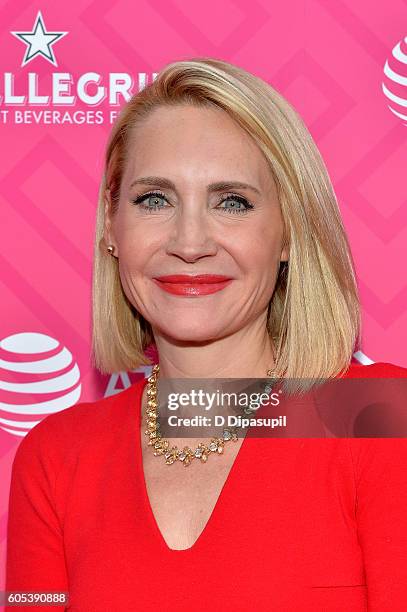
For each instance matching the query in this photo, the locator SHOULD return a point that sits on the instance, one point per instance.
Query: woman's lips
(189, 285)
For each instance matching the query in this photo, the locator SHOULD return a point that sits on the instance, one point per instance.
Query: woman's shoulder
(380, 455)
(62, 431)
(380, 369)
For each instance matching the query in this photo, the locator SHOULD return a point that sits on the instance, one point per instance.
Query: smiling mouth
(192, 285)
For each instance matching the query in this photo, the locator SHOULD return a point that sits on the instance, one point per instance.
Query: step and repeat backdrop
(65, 71)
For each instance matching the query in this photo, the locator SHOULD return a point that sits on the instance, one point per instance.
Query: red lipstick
(192, 285)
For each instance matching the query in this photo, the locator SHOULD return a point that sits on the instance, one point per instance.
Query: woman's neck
(248, 353)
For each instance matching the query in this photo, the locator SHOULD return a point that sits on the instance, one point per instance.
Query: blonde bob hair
(314, 312)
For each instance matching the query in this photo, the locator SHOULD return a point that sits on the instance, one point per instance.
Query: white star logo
(39, 41)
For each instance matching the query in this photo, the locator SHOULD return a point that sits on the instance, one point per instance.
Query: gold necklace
(161, 446)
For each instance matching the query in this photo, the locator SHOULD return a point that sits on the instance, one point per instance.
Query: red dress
(300, 524)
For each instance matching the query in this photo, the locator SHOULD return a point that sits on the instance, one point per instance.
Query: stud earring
(110, 249)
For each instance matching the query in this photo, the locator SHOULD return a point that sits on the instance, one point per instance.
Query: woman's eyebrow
(164, 183)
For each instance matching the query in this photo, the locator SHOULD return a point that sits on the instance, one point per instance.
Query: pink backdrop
(342, 64)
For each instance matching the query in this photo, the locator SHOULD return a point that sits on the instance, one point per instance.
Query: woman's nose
(191, 236)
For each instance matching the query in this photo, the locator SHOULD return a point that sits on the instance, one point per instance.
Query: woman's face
(191, 226)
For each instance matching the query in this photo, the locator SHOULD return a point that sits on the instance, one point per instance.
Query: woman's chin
(195, 331)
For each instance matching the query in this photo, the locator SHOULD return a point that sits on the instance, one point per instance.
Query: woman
(209, 171)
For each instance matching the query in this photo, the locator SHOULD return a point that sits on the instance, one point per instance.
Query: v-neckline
(200, 541)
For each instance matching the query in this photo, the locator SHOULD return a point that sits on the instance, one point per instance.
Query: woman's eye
(151, 201)
(235, 204)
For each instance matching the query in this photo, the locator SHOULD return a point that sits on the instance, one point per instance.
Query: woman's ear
(285, 254)
(108, 238)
